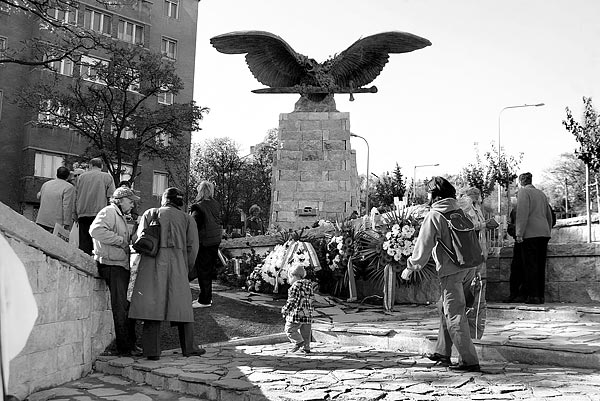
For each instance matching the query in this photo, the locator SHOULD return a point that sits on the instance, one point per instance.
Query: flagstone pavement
(546, 352)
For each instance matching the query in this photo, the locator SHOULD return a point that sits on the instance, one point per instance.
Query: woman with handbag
(161, 291)
(207, 214)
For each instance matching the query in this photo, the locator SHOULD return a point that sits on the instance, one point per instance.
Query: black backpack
(465, 250)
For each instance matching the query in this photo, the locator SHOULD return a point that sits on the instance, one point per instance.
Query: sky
(435, 105)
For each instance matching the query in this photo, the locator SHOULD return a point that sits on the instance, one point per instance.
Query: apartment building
(29, 153)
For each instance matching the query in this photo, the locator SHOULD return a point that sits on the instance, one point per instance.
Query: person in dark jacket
(207, 214)
(254, 224)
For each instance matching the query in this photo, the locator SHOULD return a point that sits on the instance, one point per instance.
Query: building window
(46, 164)
(126, 133)
(98, 21)
(171, 9)
(162, 138)
(165, 98)
(63, 67)
(89, 66)
(160, 182)
(131, 32)
(169, 48)
(53, 113)
(126, 171)
(67, 15)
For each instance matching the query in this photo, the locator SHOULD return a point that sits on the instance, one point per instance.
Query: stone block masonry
(315, 169)
(74, 323)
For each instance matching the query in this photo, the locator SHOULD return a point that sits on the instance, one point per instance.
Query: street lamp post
(367, 189)
(415, 178)
(499, 147)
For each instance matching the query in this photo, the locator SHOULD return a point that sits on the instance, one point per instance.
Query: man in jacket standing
(533, 227)
(455, 281)
(111, 237)
(57, 198)
(94, 189)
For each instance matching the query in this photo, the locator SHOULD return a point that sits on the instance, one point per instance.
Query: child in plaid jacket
(298, 309)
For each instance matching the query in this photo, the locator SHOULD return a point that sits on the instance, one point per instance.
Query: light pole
(415, 178)
(367, 189)
(499, 147)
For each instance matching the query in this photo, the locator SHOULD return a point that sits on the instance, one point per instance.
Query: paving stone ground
(330, 372)
(536, 353)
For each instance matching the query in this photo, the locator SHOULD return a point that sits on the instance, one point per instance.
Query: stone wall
(74, 322)
(315, 170)
(572, 273)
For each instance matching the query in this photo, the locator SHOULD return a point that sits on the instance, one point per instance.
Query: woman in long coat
(161, 291)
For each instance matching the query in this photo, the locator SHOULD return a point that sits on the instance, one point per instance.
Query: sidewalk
(362, 353)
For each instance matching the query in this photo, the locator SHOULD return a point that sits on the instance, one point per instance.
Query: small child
(298, 309)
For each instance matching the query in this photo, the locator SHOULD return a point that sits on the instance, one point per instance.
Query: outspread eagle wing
(271, 60)
(362, 62)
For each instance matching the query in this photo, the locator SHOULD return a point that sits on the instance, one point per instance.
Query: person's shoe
(297, 347)
(439, 358)
(153, 358)
(136, 352)
(307, 350)
(465, 368)
(197, 304)
(197, 352)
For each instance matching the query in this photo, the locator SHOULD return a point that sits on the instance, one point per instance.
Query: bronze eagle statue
(274, 63)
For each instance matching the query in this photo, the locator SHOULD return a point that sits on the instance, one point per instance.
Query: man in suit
(532, 228)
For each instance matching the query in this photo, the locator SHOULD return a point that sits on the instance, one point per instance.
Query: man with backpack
(456, 270)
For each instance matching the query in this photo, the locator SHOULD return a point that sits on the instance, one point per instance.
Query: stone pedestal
(314, 172)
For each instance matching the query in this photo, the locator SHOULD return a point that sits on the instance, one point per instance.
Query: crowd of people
(189, 244)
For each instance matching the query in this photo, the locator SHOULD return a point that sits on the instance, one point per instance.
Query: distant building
(29, 154)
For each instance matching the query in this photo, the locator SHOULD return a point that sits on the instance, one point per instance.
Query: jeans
(85, 239)
(533, 252)
(454, 326)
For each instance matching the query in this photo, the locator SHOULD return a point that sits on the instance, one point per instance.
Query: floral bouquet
(339, 254)
(386, 248)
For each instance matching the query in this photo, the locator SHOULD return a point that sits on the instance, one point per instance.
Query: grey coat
(161, 291)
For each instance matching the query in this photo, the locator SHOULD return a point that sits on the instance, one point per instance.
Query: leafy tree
(479, 175)
(587, 133)
(504, 170)
(257, 175)
(217, 160)
(114, 106)
(387, 187)
(567, 175)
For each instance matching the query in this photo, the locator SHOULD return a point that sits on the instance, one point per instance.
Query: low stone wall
(572, 273)
(74, 322)
(575, 230)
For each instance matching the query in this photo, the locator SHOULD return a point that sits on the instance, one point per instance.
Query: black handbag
(148, 243)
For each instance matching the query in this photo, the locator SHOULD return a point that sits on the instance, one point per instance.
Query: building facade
(30, 153)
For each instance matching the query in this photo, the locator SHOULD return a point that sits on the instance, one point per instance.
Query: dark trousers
(517, 278)
(533, 251)
(151, 337)
(117, 278)
(85, 239)
(205, 263)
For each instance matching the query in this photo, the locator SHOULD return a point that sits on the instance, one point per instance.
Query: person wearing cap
(111, 238)
(94, 189)
(161, 292)
(455, 281)
(533, 227)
